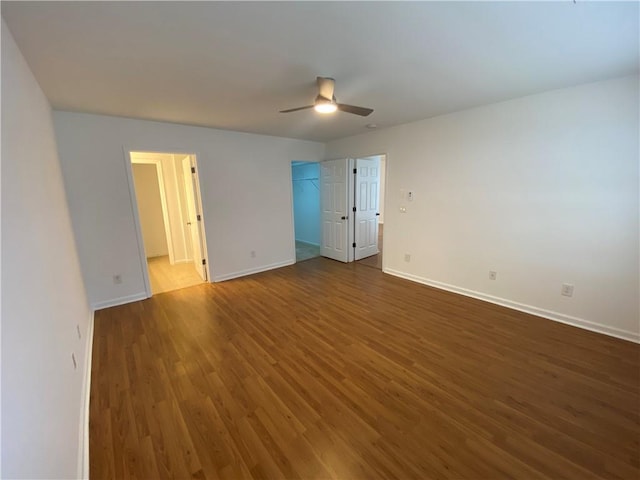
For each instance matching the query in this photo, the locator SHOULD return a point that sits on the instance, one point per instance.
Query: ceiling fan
(326, 101)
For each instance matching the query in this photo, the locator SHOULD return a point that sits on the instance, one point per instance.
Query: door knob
(188, 223)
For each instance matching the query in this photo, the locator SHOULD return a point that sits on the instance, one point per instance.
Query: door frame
(128, 167)
(351, 199)
(293, 220)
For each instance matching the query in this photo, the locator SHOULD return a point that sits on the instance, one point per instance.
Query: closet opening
(306, 209)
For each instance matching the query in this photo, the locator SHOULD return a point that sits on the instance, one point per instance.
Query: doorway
(170, 225)
(305, 177)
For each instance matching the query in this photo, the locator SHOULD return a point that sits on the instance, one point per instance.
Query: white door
(367, 199)
(333, 199)
(194, 220)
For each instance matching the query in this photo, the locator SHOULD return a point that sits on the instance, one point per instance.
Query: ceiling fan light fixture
(325, 107)
(326, 103)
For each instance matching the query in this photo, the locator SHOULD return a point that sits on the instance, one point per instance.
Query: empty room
(194, 279)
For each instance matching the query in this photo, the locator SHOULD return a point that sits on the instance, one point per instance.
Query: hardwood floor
(305, 251)
(324, 370)
(165, 277)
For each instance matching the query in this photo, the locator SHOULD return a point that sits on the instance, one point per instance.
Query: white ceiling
(234, 65)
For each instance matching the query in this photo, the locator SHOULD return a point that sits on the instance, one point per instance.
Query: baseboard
(83, 456)
(251, 271)
(119, 301)
(308, 243)
(540, 312)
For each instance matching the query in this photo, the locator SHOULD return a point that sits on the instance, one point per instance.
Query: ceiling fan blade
(362, 111)
(326, 85)
(296, 109)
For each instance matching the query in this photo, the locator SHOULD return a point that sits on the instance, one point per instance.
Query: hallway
(165, 277)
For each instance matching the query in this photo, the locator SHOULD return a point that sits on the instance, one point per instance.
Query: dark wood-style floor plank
(324, 370)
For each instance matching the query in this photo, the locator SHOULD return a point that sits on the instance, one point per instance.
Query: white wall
(542, 189)
(245, 186)
(43, 298)
(145, 177)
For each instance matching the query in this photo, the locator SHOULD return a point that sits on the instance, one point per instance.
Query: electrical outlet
(253, 254)
(117, 279)
(493, 275)
(407, 257)
(78, 330)
(567, 290)
(73, 359)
